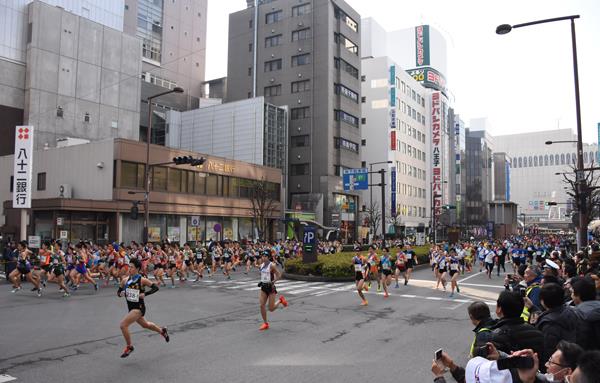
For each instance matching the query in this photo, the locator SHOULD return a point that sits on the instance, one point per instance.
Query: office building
(395, 130)
(306, 55)
(479, 187)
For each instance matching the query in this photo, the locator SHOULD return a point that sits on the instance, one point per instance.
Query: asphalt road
(324, 335)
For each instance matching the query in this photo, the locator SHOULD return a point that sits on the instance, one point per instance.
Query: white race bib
(357, 268)
(55, 261)
(453, 266)
(265, 276)
(132, 295)
(43, 259)
(386, 266)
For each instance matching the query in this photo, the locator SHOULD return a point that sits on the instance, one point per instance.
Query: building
(306, 55)
(479, 186)
(67, 75)
(395, 130)
(250, 130)
(92, 200)
(458, 184)
(501, 177)
(534, 165)
(216, 88)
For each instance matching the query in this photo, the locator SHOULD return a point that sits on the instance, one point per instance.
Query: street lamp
(382, 198)
(148, 132)
(506, 28)
(560, 142)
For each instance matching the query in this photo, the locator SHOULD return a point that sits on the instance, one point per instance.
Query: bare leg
(148, 325)
(130, 318)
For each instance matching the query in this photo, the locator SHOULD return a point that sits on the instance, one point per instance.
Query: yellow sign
(222, 167)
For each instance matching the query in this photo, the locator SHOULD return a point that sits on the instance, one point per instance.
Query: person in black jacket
(588, 312)
(479, 313)
(510, 332)
(557, 322)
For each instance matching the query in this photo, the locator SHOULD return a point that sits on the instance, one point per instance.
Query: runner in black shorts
(360, 266)
(454, 272)
(24, 268)
(269, 274)
(386, 271)
(134, 288)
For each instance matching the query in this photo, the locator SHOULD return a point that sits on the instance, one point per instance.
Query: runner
(360, 265)
(441, 269)
(57, 273)
(227, 260)
(134, 288)
(269, 274)
(489, 257)
(24, 268)
(44, 256)
(373, 261)
(386, 271)
(454, 272)
(411, 261)
(400, 267)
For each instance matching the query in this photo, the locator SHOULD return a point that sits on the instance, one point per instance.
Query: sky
(521, 82)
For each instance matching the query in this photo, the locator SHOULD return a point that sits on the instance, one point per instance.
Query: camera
(522, 362)
(482, 351)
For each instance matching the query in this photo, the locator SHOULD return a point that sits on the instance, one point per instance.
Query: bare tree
(373, 212)
(263, 198)
(588, 189)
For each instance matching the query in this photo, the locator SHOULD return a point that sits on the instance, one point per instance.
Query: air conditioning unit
(65, 191)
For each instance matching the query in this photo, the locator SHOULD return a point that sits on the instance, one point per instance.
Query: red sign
(393, 139)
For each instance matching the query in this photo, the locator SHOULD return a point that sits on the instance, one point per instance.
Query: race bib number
(132, 295)
(43, 259)
(386, 266)
(55, 262)
(454, 266)
(358, 268)
(265, 277)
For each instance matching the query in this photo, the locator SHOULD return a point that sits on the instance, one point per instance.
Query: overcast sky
(521, 82)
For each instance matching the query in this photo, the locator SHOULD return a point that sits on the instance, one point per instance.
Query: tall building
(395, 130)
(306, 55)
(479, 189)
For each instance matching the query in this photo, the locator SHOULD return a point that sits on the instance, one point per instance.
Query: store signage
(217, 166)
(393, 140)
(356, 179)
(34, 241)
(195, 220)
(23, 163)
(436, 165)
(429, 78)
(422, 44)
(64, 234)
(393, 185)
(393, 118)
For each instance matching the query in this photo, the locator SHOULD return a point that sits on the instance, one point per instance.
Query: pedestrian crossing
(298, 288)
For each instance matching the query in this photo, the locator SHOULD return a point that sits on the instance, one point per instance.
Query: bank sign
(23, 164)
(429, 78)
(422, 45)
(436, 158)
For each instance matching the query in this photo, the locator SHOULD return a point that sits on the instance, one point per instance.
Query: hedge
(339, 265)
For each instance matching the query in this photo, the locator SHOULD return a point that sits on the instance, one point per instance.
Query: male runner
(134, 288)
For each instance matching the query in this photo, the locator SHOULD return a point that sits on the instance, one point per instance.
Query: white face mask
(550, 377)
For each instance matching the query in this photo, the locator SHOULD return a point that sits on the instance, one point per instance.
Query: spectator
(10, 257)
(561, 364)
(588, 368)
(533, 277)
(458, 373)
(588, 312)
(481, 370)
(510, 333)
(558, 322)
(480, 316)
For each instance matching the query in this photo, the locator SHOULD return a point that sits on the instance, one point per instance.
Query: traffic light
(133, 213)
(188, 160)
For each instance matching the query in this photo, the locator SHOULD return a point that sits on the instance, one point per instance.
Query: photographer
(479, 313)
(560, 365)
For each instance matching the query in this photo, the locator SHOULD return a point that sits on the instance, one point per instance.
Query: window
(249, 71)
(200, 183)
(41, 181)
(273, 41)
(341, 15)
(551, 160)
(341, 143)
(556, 159)
(301, 34)
(346, 43)
(299, 170)
(250, 47)
(274, 90)
(12, 180)
(212, 184)
(300, 141)
(301, 9)
(363, 142)
(159, 178)
(300, 86)
(300, 113)
(132, 175)
(363, 120)
(273, 17)
(272, 65)
(568, 158)
(345, 66)
(340, 115)
(546, 160)
(520, 162)
(302, 59)
(363, 99)
(347, 92)
(250, 23)
(174, 184)
(535, 161)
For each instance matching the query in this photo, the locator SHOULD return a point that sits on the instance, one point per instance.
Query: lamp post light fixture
(148, 135)
(581, 186)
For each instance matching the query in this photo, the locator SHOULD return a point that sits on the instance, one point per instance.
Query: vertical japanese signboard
(23, 167)
(393, 86)
(436, 163)
(393, 194)
(422, 45)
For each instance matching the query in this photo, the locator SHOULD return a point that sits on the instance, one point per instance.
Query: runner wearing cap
(269, 274)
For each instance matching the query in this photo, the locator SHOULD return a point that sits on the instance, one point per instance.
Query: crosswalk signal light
(133, 213)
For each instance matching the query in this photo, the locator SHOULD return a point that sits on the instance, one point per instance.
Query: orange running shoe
(128, 350)
(364, 303)
(264, 326)
(283, 301)
(386, 295)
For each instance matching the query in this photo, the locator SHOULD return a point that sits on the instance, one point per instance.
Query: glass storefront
(73, 226)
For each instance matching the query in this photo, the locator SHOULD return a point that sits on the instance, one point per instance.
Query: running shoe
(264, 326)
(33, 289)
(165, 334)
(397, 285)
(283, 301)
(369, 284)
(96, 286)
(405, 282)
(386, 295)
(379, 288)
(364, 303)
(44, 284)
(66, 295)
(457, 289)
(451, 295)
(172, 286)
(128, 350)
(16, 289)
(39, 292)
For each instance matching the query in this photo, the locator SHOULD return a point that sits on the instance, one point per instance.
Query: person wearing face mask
(559, 366)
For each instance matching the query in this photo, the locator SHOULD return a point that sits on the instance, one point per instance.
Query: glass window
(302, 59)
(159, 178)
(346, 43)
(273, 41)
(299, 169)
(299, 113)
(132, 175)
(568, 158)
(300, 86)
(274, 90)
(190, 182)
(530, 162)
(556, 159)
(212, 184)
(300, 141)
(551, 159)
(273, 17)
(562, 159)
(245, 188)
(340, 115)
(41, 181)
(347, 92)
(200, 183)
(520, 162)
(273, 65)
(174, 184)
(301, 9)
(301, 34)
(345, 66)
(535, 161)
(545, 160)
(234, 187)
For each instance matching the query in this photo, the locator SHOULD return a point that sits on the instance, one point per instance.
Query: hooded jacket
(556, 324)
(588, 325)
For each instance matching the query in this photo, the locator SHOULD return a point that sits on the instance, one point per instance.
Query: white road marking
(6, 378)
(481, 285)
(470, 276)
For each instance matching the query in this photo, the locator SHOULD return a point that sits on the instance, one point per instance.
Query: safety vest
(526, 314)
(471, 354)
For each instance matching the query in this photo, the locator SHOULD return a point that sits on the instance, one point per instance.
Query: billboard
(393, 196)
(422, 45)
(429, 78)
(436, 146)
(356, 179)
(23, 164)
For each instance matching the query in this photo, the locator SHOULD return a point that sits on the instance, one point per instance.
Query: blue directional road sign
(356, 179)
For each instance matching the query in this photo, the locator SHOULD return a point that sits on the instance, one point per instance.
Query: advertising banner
(436, 145)
(393, 186)
(422, 45)
(23, 164)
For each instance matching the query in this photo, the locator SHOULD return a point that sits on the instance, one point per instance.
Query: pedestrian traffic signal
(188, 160)
(133, 213)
